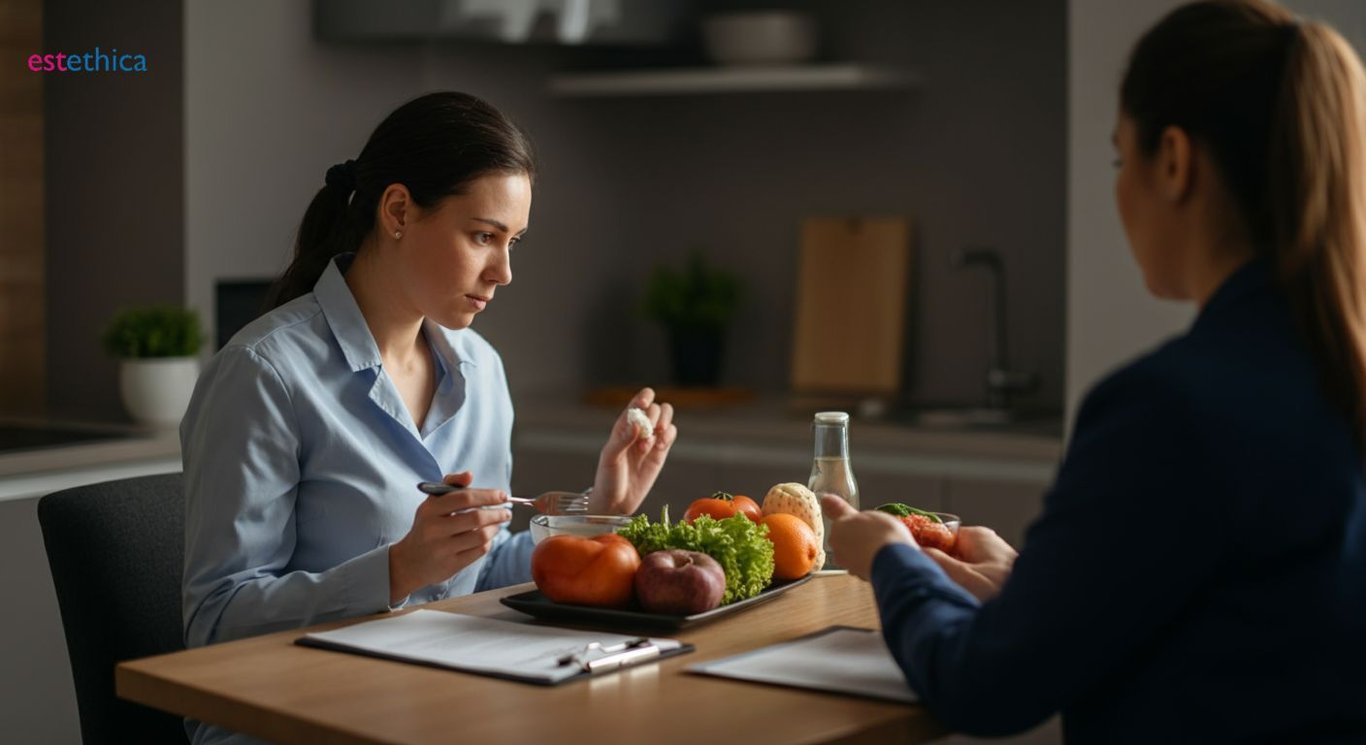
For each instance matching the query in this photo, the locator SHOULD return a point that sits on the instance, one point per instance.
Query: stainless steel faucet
(1001, 381)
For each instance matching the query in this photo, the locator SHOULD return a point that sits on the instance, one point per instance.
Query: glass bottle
(830, 469)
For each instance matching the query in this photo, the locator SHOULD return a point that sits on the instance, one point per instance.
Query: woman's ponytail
(1317, 204)
(323, 234)
(434, 145)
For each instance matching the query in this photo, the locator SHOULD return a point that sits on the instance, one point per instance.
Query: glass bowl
(587, 526)
(934, 539)
(951, 521)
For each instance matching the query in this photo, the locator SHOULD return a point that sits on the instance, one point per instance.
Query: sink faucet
(1001, 381)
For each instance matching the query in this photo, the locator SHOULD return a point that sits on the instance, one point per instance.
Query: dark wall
(974, 157)
(114, 145)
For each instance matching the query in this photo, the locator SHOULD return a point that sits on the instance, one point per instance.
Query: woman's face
(455, 255)
(1146, 216)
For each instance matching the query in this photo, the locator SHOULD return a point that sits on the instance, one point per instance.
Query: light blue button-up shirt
(301, 465)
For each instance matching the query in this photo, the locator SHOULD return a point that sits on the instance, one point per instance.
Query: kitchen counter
(766, 430)
(127, 453)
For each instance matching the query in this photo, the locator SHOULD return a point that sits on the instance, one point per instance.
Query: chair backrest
(116, 551)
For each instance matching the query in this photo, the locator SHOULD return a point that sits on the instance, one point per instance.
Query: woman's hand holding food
(443, 539)
(984, 561)
(633, 456)
(856, 537)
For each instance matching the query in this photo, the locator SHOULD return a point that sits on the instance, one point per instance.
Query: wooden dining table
(273, 689)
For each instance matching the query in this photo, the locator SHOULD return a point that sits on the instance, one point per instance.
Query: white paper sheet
(843, 660)
(474, 644)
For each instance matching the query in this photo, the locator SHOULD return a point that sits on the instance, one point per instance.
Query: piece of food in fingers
(794, 499)
(641, 420)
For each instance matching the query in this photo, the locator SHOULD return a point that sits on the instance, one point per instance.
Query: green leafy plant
(697, 296)
(155, 331)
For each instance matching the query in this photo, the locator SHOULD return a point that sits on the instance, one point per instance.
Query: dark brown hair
(435, 145)
(1278, 102)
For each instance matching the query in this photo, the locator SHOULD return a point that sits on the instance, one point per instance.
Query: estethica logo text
(96, 61)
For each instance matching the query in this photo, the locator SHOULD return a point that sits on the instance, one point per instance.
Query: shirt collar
(349, 326)
(440, 338)
(344, 316)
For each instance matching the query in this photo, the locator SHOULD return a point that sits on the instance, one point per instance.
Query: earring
(398, 234)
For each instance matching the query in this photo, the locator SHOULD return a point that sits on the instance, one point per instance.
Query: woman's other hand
(983, 563)
(441, 542)
(856, 537)
(632, 457)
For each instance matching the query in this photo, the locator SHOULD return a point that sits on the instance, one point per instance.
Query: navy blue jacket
(1198, 572)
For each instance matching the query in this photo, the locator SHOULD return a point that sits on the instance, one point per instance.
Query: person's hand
(983, 563)
(632, 459)
(856, 537)
(441, 542)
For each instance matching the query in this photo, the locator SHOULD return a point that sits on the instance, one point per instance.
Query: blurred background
(957, 149)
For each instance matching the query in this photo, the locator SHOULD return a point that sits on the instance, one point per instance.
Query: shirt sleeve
(241, 449)
(1129, 533)
(509, 561)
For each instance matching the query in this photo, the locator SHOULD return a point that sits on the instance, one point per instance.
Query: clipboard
(540, 655)
(838, 659)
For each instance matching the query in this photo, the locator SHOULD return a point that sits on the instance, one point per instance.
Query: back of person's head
(434, 145)
(1277, 102)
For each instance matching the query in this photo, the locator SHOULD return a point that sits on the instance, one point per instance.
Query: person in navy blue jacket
(1198, 572)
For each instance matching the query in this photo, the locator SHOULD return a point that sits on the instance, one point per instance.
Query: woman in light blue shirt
(308, 432)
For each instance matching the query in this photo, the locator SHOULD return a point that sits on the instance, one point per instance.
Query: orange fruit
(794, 545)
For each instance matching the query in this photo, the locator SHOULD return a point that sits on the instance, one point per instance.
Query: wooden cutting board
(851, 305)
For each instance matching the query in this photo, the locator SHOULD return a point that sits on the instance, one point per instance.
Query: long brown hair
(435, 145)
(1279, 103)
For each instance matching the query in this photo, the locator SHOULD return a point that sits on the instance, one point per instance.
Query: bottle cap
(832, 417)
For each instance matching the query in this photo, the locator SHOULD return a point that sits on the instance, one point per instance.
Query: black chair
(115, 550)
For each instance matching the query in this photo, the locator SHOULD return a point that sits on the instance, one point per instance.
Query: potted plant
(694, 306)
(157, 347)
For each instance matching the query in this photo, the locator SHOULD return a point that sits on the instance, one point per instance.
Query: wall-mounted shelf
(706, 80)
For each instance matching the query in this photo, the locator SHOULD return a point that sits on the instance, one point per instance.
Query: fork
(550, 503)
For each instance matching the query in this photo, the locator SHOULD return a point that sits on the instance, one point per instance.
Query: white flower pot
(156, 391)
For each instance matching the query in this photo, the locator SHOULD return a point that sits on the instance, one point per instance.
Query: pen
(436, 489)
(615, 656)
(629, 657)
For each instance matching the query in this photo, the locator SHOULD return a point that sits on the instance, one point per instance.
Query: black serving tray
(533, 603)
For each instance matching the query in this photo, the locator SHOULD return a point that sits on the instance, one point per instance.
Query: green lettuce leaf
(741, 547)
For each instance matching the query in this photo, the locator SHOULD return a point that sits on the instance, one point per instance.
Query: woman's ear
(395, 204)
(1175, 165)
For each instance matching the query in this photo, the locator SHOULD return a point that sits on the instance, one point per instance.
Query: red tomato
(722, 505)
(597, 571)
(930, 534)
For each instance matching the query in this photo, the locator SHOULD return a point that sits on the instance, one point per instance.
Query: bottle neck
(832, 440)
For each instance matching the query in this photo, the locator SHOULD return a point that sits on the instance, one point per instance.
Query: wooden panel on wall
(22, 320)
(851, 300)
